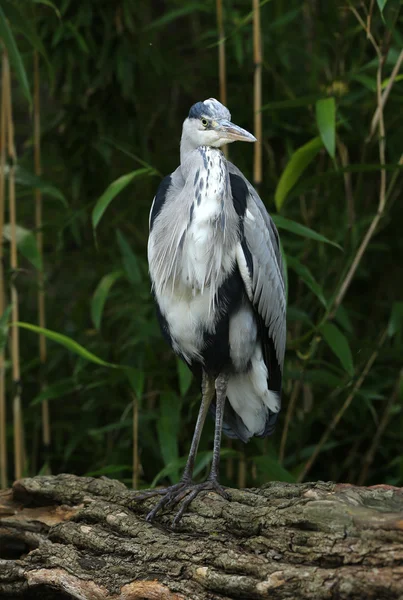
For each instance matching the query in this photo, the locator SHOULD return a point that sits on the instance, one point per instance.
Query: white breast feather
(186, 289)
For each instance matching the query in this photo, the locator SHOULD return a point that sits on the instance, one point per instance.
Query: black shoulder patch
(240, 193)
(160, 197)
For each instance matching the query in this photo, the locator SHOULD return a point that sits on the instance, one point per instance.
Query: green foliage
(299, 161)
(101, 294)
(298, 229)
(113, 189)
(338, 343)
(8, 40)
(326, 119)
(67, 342)
(117, 80)
(26, 244)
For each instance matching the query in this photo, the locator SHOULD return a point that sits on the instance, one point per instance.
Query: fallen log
(68, 537)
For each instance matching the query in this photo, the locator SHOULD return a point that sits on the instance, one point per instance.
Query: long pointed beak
(233, 132)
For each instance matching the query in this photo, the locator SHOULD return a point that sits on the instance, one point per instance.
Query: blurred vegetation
(116, 81)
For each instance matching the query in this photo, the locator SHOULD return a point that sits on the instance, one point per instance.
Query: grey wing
(264, 273)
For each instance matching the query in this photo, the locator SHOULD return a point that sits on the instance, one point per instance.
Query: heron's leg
(207, 396)
(174, 491)
(221, 385)
(189, 494)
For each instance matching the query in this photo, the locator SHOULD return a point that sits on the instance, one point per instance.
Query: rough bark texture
(73, 537)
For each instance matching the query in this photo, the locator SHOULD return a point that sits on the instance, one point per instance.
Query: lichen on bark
(68, 537)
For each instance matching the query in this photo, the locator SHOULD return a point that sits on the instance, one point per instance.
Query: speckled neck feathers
(196, 252)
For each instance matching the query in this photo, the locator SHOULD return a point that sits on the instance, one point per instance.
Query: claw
(185, 492)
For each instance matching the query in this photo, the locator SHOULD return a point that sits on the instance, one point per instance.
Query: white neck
(187, 146)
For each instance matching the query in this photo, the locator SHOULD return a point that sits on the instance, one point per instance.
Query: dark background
(116, 81)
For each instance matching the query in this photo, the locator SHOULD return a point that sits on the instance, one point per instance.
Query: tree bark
(69, 537)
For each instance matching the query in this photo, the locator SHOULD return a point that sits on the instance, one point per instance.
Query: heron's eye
(204, 122)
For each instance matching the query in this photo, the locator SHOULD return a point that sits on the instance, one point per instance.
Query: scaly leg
(212, 483)
(171, 492)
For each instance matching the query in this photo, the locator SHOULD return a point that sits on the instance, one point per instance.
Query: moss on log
(68, 537)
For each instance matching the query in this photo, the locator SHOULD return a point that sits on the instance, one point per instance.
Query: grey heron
(217, 279)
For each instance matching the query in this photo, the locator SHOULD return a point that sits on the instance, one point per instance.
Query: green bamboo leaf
(57, 390)
(49, 3)
(299, 161)
(26, 244)
(15, 57)
(175, 14)
(136, 380)
(338, 343)
(25, 24)
(396, 79)
(184, 376)
(4, 325)
(130, 262)
(326, 120)
(170, 469)
(396, 319)
(272, 470)
(68, 343)
(298, 229)
(113, 190)
(203, 459)
(307, 277)
(101, 294)
(168, 430)
(381, 5)
(30, 180)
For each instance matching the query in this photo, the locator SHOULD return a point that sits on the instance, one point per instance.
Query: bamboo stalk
(39, 241)
(3, 413)
(257, 96)
(378, 120)
(15, 346)
(221, 59)
(135, 443)
(385, 95)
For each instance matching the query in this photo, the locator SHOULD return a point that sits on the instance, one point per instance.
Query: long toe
(169, 496)
(185, 492)
(194, 490)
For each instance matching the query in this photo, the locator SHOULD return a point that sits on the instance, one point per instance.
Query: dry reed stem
(221, 59)
(343, 409)
(369, 457)
(3, 411)
(39, 241)
(15, 348)
(361, 250)
(382, 188)
(257, 95)
(385, 95)
(135, 443)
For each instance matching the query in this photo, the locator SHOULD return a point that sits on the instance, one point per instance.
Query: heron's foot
(187, 491)
(161, 491)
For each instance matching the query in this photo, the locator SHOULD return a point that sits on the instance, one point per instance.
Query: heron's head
(209, 124)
